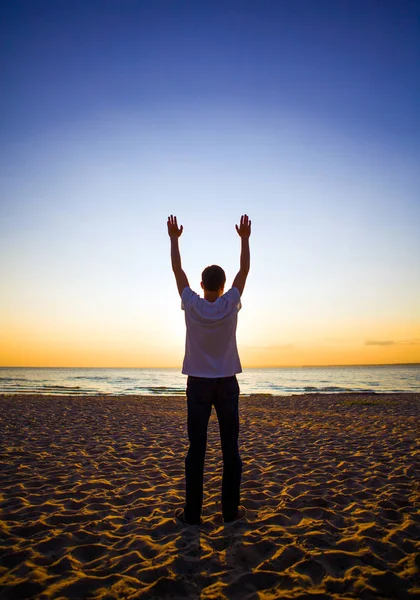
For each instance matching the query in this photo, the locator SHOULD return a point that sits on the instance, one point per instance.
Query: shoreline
(89, 485)
(183, 394)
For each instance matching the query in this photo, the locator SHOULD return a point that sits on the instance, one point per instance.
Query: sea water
(276, 381)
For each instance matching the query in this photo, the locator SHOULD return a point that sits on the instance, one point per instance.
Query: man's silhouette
(211, 363)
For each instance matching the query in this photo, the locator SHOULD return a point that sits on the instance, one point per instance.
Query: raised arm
(174, 233)
(244, 231)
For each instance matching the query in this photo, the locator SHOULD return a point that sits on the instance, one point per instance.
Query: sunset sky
(302, 114)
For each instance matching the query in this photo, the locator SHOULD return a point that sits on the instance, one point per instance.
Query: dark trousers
(202, 394)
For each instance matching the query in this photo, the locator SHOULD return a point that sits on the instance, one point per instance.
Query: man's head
(213, 279)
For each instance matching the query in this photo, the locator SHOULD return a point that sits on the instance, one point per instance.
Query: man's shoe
(241, 515)
(180, 517)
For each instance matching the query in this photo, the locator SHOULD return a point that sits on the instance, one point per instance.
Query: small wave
(146, 391)
(60, 387)
(310, 389)
(48, 391)
(165, 387)
(163, 390)
(93, 377)
(333, 388)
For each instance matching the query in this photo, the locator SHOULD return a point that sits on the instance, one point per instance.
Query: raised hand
(173, 230)
(244, 229)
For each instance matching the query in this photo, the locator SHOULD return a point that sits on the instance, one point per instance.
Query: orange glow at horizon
(39, 348)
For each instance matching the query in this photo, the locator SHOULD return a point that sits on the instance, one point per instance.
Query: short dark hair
(213, 278)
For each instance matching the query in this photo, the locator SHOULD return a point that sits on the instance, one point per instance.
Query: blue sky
(302, 114)
(354, 63)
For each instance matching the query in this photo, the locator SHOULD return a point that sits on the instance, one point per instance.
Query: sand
(89, 486)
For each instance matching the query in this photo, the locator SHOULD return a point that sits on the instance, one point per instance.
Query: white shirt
(210, 346)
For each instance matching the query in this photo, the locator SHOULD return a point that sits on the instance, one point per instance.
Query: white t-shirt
(210, 346)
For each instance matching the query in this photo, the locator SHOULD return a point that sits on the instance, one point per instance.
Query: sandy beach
(89, 486)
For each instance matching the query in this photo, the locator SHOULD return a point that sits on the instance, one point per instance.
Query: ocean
(276, 381)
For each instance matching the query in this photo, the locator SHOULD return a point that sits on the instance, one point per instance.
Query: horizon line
(309, 366)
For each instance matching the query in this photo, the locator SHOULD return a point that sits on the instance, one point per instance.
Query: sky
(304, 115)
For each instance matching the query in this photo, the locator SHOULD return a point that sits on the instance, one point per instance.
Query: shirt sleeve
(186, 297)
(234, 296)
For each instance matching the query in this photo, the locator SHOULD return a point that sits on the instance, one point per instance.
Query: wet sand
(89, 486)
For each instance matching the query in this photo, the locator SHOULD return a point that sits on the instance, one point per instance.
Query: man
(211, 363)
